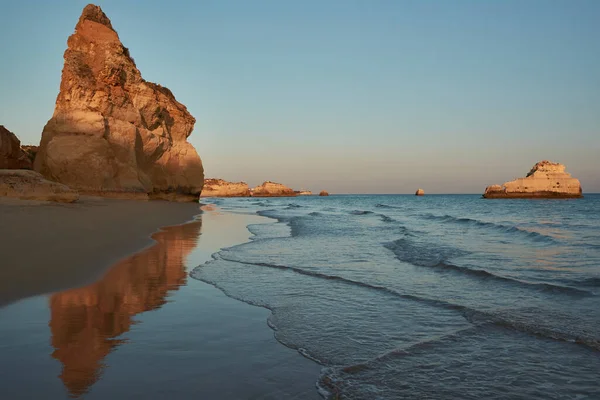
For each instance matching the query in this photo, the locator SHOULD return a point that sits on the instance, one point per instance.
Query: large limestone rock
(112, 132)
(221, 188)
(12, 156)
(272, 189)
(545, 180)
(30, 185)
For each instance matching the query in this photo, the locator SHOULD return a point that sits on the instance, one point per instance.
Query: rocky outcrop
(303, 193)
(420, 192)
(545, 180)
(323, 193)
(113, 133)
(12, 156)
(30, 185)
(272, 189)
(222, 188)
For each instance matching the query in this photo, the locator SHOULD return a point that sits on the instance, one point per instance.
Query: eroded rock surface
(222, 188)
(112, 132)
(12, 156)
(272, 189)
(545, 180)
(30, 185)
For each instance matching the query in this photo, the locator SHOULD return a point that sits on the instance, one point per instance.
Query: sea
(434, 297)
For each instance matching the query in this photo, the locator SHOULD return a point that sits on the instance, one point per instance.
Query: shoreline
(105, 342)
(79, 241)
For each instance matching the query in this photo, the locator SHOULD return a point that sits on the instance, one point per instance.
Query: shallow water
(427, 297)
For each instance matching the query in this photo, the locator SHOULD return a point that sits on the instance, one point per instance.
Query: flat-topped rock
(112, 132)
(545, 180)
(272, 189)
(12, 156)
(30, 185)
(222, 188)
(303, 193)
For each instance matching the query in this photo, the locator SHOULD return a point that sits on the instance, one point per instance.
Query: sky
(370, 96)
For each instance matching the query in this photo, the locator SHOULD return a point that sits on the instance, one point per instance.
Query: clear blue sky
(350, 96)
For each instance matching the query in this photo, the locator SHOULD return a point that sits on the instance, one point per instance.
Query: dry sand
(46, 247)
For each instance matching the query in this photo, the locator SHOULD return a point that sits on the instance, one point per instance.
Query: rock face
(112, 132)
(272, 189)
(12, 156)
(323, 193)
(420, 192)
(545, 180)
(30, 185)
(303, 193)
(221, 188)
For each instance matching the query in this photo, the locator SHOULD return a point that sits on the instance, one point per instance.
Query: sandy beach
(89, 319)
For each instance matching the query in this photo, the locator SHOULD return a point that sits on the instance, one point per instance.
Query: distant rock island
(222, 188)
(323, 193)
(272, 189)
(545, 180)
(112, 132)
(303, 192)
(420, 192)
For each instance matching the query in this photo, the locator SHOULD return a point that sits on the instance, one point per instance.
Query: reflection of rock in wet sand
(86, 321)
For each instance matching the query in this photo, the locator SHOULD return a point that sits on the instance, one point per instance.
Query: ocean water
(435, 297)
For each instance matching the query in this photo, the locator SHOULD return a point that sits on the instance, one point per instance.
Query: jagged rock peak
(94, 13)
(112, 132)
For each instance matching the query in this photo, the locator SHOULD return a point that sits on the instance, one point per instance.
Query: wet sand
(48, 246)
(142, 328)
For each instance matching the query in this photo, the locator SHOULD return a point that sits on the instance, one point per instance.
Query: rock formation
(221, 188)
(12, 156)
(420, 192)
(323, 193)
(272, 189)
(112, 132)
(30, 185)
(545, 180)
(303, 192)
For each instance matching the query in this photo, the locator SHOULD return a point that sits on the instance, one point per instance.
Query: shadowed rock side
(420, 192)
(272, 189)
(545, 180)
(221, 188)
(113, 133)
(30, 185)
(323, 193)
(85, 322)
(12, 156)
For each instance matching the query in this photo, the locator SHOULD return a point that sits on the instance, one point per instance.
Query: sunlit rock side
(86, 322)
(222, 188)
(113, 133)
(303, 192)
(272, 189)
(420, 192)
(545, 180)
(12, 155)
